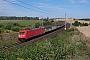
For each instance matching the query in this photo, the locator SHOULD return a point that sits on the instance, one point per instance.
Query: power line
(32, 6)
(28, 7)
(23, 6)
(38, 8)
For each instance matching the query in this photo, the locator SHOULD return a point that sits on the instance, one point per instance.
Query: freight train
(28, 33)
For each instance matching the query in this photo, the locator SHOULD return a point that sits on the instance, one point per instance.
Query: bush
(1, 26)
(1, 30)
(16, 24)
(37, 25)
(16, 29)
(86, 24)
(47, 23)
(9, 26)
(82, 24)
(52, 20)
(76, 23)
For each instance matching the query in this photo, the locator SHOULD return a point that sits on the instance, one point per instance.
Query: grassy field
(20, 22)
(65, 46)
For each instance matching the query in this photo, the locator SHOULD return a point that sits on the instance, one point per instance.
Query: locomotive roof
(31, 28)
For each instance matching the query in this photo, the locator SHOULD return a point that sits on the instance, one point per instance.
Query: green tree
(76, 23)
(37, 25)
(52, 20)
(86, 24)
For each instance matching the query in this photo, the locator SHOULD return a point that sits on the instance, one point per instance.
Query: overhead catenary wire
(44, 11)
(24, 6)
(32, 6)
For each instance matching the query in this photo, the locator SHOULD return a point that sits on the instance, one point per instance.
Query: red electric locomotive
(23, 35)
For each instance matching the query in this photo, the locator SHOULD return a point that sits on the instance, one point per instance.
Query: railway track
(11, 46)
(20, 44)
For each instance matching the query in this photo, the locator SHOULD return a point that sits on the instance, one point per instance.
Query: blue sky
(50, 8)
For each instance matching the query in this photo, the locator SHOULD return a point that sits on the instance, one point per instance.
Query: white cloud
(53, 9)
(83, 1)
(13, 1)
(42, 5)
(50, 6)
(47, 0)
(72, 1)
(9, 9)
(5, 7)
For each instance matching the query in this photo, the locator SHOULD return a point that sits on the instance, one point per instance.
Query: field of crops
(65, 46)
(20, 22)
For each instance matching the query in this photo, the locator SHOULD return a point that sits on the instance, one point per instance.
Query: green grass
(21, 22)
(63, 46)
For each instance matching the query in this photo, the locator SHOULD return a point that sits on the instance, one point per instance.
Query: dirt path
(85, 30)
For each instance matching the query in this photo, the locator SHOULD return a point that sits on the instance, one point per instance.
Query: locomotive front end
(22, 36)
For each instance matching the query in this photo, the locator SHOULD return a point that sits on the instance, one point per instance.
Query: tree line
(18, 18)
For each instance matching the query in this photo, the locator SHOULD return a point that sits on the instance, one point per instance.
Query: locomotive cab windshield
(21, 32)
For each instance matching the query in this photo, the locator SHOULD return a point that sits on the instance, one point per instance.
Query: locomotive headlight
(19, 35)
(23, 35)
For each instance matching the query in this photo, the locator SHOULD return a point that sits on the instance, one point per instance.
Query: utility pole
(42, 21)
(65, 21)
